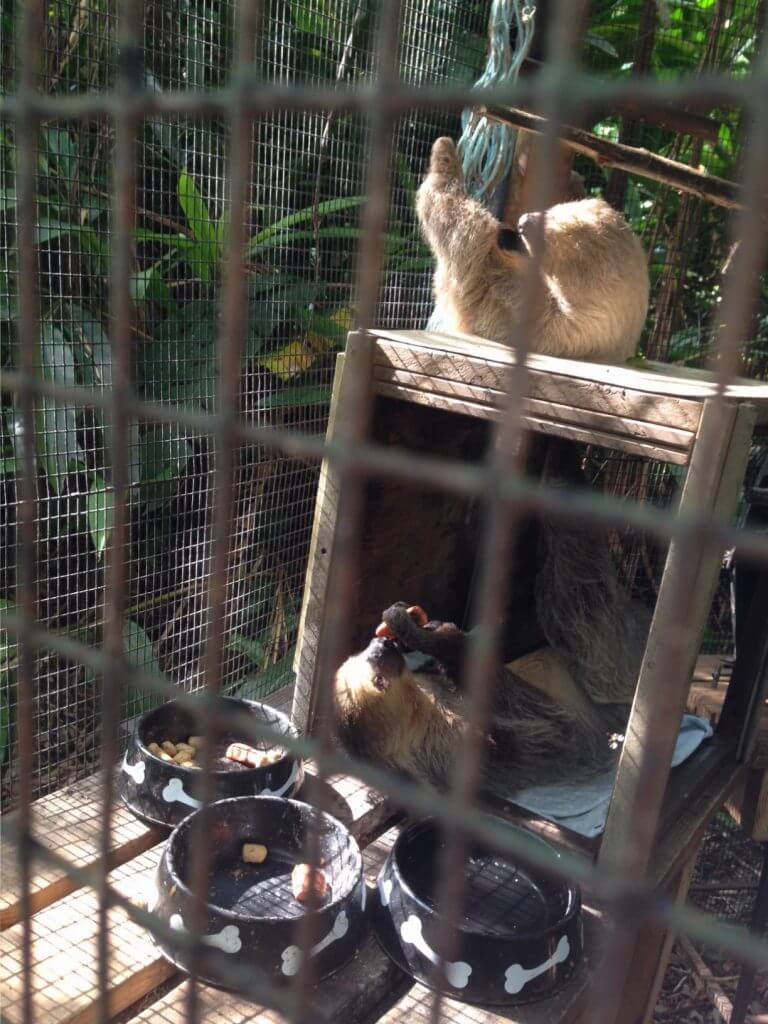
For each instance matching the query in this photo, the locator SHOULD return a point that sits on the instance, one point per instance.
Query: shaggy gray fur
(589, 618)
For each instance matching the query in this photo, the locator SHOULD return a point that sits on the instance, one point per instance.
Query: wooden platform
(654, 412)
(144, 987)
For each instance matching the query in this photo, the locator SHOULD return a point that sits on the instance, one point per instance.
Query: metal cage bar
(559, 88)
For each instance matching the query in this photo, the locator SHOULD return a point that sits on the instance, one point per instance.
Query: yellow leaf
(343, 318)
(289, 360)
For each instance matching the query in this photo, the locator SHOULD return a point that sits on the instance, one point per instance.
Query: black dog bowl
(520, 937)
(164, 793)
(251, 914)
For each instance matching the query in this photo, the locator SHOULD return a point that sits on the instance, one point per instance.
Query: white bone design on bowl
(286, 785)
(385, 891)
(364, 898)
(174, 792)
(517, 977)
(456, 973)
(292, 955)
(227, 940)
(153, 898)
(136, 771)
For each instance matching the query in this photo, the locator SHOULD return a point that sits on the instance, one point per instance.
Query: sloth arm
(444, 642)
(461, 232)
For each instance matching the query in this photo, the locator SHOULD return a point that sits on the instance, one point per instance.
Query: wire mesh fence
(166, 399)
(302, 231)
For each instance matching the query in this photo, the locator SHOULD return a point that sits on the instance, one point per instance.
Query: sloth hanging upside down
(555, 713)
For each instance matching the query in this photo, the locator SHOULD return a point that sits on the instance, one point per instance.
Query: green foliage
(8, 656)
(101, 513)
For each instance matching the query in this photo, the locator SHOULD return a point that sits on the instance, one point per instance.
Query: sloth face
(378, 666)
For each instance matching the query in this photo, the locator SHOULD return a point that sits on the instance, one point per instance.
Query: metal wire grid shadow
(557, 92)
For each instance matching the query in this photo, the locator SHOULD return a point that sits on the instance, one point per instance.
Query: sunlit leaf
(289, 361)
(196, 211)
(101, 513)
(305, 215)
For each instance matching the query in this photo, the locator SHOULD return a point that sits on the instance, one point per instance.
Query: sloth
(556, 713)
(593, 298)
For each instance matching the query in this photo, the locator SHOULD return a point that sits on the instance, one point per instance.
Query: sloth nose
(385, 653)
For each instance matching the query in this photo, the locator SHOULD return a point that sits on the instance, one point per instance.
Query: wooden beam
(70, 819)
(685, 122)
(628, 158)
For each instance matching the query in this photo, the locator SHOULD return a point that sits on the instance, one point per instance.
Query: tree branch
(628, 158)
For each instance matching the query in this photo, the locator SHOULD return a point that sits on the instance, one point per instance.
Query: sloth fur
(594, 296)
(555, 712)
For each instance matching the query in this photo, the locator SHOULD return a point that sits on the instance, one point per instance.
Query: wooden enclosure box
(440, 395)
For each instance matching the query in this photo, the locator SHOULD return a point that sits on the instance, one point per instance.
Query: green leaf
(138, 648)
(305, 215)
(148, 284)
(325, 18)
(101, 513)
(250, 648)
(7, 199)
(295, 397)
(270, 679)
(91, 346)
(405, 174)
(93, 206)
(9, 648)
(286, 237)
(163, 456)
(8, 309)
(7, 681)
(164, 237)
(62, 151)
(138, 652)
(412, 263)
(193, 205)
(50, 227)
(598, 43)
(56, 422)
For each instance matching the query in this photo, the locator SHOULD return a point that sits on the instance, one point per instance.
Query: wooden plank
(681, 413)
(555, 411)
(652, 950)
(70, 820)
(689, 580)
(64, 975)
(667, 381)
(369, 979)
(572, 433)
(362, 809)
(359, 348)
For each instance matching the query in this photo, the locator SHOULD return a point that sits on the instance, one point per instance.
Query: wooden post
(359, 347)
(713, 482)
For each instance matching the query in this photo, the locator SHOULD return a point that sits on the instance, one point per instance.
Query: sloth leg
(587, 614)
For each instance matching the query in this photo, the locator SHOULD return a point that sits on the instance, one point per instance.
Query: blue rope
(485, 147)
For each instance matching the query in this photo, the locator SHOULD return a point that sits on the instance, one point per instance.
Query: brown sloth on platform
(555, 712)
(593, 299)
